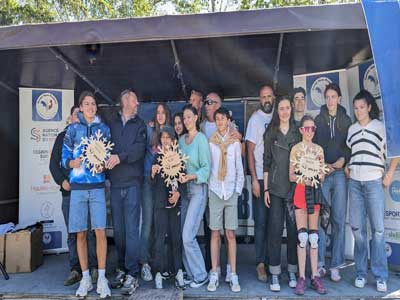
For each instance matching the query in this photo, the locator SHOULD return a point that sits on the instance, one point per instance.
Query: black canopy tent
(163, 58)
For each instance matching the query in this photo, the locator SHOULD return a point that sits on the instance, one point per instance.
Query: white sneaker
(214, 282)
(235, 286)
(85, 286)
(381, 286)
(274, 284)
(179, 282)
(102, 288)
(321, 272)
(228, 273)
(146, 273)
(360, 282)
(335, 275)
(130, 285)
(158, 281)
(292, 280)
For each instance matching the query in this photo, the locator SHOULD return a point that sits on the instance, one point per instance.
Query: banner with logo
(43, 115)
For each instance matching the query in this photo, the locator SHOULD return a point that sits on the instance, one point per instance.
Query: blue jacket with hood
(81, 178)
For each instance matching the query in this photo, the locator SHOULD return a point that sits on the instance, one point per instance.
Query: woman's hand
(174, 197)
(75, 163)
(155, 169)
(186, 178)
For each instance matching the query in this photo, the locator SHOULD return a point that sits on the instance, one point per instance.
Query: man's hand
(339, 163)
(236, 135)
(347, 172)
(174, 197)
(255, 187)
(154, 170)
(113, 161)
(65, 185)
(267, 199)
(387, 179)
(74, 164)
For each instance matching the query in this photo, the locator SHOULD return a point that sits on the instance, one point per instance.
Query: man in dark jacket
(128, 133)
(60, 176)
(332, 127)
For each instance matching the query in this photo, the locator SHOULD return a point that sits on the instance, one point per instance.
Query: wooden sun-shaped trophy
(172, 164)
(308, 165)
(96, 152)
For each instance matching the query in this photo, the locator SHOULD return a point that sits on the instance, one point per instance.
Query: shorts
(223, 212)
(82, 202)
(299, 199)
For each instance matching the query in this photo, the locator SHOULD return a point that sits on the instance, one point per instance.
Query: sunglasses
(210, 102)
(308, 129)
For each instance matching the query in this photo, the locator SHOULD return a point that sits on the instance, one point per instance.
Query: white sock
(86, 274)
(102, 273)
(228, 268)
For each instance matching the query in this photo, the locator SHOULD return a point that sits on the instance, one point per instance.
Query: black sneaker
(73, 278)
(130, 285)
(119, 279)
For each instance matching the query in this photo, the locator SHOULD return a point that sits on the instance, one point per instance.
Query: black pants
(167, 222)
(277, 214)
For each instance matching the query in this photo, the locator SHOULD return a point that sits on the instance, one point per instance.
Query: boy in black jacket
(60, 176)
(167, 216)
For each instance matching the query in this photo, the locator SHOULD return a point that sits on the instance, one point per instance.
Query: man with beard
(258, 122)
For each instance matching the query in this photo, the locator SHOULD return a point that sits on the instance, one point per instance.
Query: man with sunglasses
(258, 122)
(332, 127)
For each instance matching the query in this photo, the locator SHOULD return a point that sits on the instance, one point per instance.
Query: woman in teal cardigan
(195, 145)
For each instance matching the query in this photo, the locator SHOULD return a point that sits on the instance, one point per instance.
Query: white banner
(43, 114)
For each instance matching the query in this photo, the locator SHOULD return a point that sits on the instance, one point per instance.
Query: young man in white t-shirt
(256, 126)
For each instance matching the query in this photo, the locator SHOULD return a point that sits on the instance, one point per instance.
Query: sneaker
(300, 286)
(228, 273)
(381, 286)
(274, 285)
(94, 272)
(119, 279)
(130, 285)
(335, 275)
(360, 282)
(292, 280)
(235, 286)
(166, 275)
(218, 271)
(73, 278)
(179, 282)
(85, 286)
(196, 284)
(261, 273)
(158, 281)
(214, 282)
(146, 273)
(187, 280)
(317, 285)
(321, 272)
(102, 288)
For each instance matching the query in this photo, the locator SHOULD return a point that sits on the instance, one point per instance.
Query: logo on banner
(46, 105)
(47, 210)
(370, 81)
(316, 85)
(35, 135)
(394, 191)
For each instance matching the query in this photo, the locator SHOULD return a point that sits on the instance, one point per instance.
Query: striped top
(368, 146)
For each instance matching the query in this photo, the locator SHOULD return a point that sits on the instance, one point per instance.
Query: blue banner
(383, 22)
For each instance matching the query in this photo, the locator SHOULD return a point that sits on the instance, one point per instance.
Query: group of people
(149, 212)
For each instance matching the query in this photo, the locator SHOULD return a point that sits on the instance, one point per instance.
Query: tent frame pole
(178, 68)
(69, 65)
(278, 61)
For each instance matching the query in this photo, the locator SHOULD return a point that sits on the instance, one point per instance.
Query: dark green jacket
(277, 148)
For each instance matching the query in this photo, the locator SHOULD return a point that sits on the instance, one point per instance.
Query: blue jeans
(334, 189)
(125, 209)
(367, 200)
(260, 213)
(147, 205)
(86, 203)
(71, 241)
(192, 210)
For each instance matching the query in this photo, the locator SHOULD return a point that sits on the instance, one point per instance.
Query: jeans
(276, 218)
(334, 189)
(125, 209)
(367, 200)
(260, 213)
(147, 206)
(192, 210)
(168, 223)
(71, 241)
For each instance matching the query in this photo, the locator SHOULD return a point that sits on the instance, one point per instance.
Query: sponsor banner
(43, 115)
(383, 22)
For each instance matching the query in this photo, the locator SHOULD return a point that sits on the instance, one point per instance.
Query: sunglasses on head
(210, 102)
(308, 129)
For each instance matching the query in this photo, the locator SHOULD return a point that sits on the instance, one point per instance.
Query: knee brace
(313, 238)
(302, 236)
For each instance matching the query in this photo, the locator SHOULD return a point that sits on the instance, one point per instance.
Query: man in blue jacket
(332, 126)
(128, 133)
